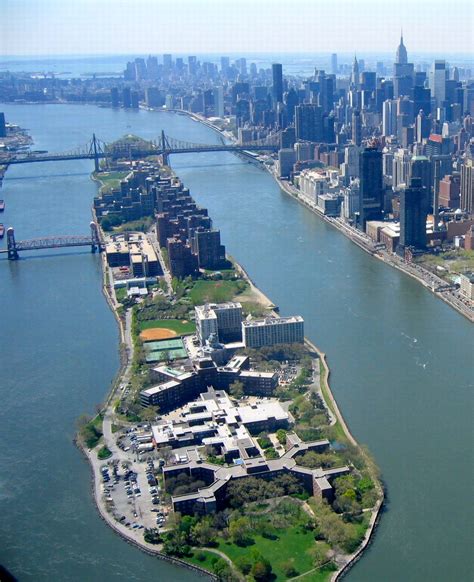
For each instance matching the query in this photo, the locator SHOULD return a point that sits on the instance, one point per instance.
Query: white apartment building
(270, 331)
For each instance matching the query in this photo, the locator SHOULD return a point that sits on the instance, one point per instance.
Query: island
(220, 445)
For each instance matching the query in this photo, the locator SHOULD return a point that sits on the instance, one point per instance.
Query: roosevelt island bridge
(97, 150)
(164, 146)
(93, 240)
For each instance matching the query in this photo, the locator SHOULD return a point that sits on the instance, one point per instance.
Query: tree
(236, 389)
(222, 569)
(239, 529)
(148, 414)
(288, 567)
(244, 564)
(202, 532)
(262, 570)
(281, 436)
(318, 555)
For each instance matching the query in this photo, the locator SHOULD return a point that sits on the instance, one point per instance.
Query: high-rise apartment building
(224, 320)
(270, 331)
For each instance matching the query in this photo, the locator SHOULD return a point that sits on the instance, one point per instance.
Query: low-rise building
(135, 251)
(212, 498)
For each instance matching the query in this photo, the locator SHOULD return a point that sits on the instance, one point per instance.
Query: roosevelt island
(220, 445)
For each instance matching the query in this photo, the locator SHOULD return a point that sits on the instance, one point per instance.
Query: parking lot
(132, 491)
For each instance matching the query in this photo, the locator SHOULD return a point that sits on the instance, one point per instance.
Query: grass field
(121, 294)
(454, 261)
(180, 327)
(215, 291)
(292, 543)
(209, 559)
(111, 180)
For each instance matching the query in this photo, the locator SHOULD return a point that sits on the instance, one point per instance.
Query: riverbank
(331, 404)
(426, 278)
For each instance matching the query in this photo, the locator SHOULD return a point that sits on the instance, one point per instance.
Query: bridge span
(164, 147)
(52, 242)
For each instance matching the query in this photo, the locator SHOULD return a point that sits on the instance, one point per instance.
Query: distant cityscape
(387, 151)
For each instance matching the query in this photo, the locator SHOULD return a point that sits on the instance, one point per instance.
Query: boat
(2, 230)
(2, 205)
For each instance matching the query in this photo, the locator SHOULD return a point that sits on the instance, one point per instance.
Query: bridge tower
(96, 246)
(95, 152)
(165, 146)
(11, 245)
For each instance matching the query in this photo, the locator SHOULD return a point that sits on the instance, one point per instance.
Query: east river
(401, 359)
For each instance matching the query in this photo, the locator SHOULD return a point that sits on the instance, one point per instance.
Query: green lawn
(110, 180)
(319, 575)
(215, 291)
(180, 327)
(104, 453)
(292, 543)
(121, 294)
(209, 559)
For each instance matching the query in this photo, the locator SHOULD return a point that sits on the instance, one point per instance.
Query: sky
(61, 27)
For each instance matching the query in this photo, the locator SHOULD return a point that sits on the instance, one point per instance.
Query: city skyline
(84, 27)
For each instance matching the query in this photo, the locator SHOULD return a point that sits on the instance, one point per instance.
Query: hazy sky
(224, 26)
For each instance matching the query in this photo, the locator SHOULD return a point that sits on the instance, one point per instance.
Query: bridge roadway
(32, 158)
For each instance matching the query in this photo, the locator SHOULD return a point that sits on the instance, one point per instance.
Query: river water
(401, 359)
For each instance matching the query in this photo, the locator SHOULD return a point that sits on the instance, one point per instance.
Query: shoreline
(135, 537)
(390, 261)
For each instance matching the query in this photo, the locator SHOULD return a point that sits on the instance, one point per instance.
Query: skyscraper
(114, 98)
(3, 129)
(467, 186)
(152, 68)
(389, 117)
(371, 192)
(402, 56)
(225, 64)
(309, 122)
(355, 79)
(127, 97)
(167, 62)
(438, 82)
(403, 72)
(291, 101)
(334, 63)
(413, 213)
(277, 90)
(219, 101)
(356, 128)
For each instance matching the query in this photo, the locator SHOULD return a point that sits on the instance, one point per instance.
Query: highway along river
(401, 359)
